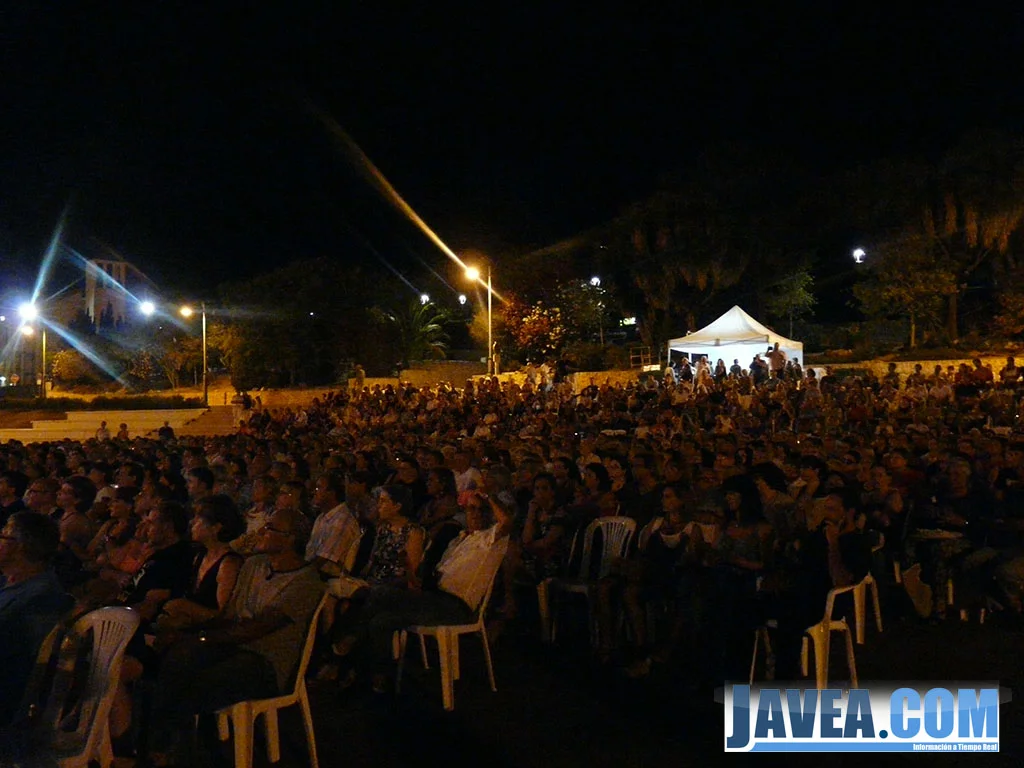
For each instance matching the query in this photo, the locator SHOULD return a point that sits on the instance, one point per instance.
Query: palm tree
(420, 330)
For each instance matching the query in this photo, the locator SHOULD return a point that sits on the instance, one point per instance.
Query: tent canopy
(735, 336)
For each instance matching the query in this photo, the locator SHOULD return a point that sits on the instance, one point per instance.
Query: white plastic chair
(243, 714)
(616, 532)
(111, 629)
(447, 636)
(860, 598)
(821, 635)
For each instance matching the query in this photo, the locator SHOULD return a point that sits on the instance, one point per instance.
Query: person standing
(776, 361)
(103, 433)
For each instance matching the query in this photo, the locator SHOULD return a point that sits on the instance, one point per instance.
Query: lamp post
(187, 311)
(30, 313)
(473, 274)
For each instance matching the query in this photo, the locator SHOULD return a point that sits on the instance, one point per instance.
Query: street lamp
(147, 308)
(858, 255)
(30, 313)
(187, 311)
(462, 299)
(595, 281)
(424, 298)
(472, 273)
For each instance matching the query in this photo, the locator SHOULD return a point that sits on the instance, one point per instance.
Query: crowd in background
(753, 489)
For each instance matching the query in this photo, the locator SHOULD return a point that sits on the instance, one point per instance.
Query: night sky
(179, 135)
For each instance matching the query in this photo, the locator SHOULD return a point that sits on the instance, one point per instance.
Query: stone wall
(905, 368)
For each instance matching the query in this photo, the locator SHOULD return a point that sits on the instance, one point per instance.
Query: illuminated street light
(472, 273)
(187, 311)
(147, 308)
(595, 281)
(858, 255)
(28, 312)
(424, 298)
(462, 298)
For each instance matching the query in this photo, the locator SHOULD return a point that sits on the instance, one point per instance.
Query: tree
(963, 214)
(69, 366)
(790, 297)
(907, 280)
(536, 331)
(302, 323)
(419, 329)
(584, 306)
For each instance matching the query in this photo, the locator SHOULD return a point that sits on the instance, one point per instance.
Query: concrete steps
(219, 420)
(82, 425)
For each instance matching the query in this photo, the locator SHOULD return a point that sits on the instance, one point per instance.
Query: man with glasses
(252, 649)
(41, 497)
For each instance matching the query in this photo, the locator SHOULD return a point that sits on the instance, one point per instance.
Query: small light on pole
(462, 298)
(858, 255)
(147, 308)
(424, 298)
(473, 274)
(187, 311)
(29, 313)
(595, 281)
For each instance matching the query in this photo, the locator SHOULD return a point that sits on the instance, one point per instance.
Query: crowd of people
(753, 491)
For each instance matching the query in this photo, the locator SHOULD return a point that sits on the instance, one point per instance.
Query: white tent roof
(735, 335)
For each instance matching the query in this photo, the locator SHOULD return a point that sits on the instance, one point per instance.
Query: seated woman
(667, 545)
(546, 531)
(739, 557)
(74, 499)
(398, 544)
(116, 552)
(216, 523)
(439, 518)
(567, 479)
(394, 560)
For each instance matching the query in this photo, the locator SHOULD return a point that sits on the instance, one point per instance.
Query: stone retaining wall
(905, 368)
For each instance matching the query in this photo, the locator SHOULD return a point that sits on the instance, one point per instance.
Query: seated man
(465, 573)
(31, 601)
(335, 530)
(252, 649)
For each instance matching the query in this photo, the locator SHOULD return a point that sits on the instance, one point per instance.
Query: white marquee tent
(735, 335)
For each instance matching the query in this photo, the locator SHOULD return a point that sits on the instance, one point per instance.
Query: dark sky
(178, 134)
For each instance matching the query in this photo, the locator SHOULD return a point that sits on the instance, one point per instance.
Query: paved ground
(554, 707)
